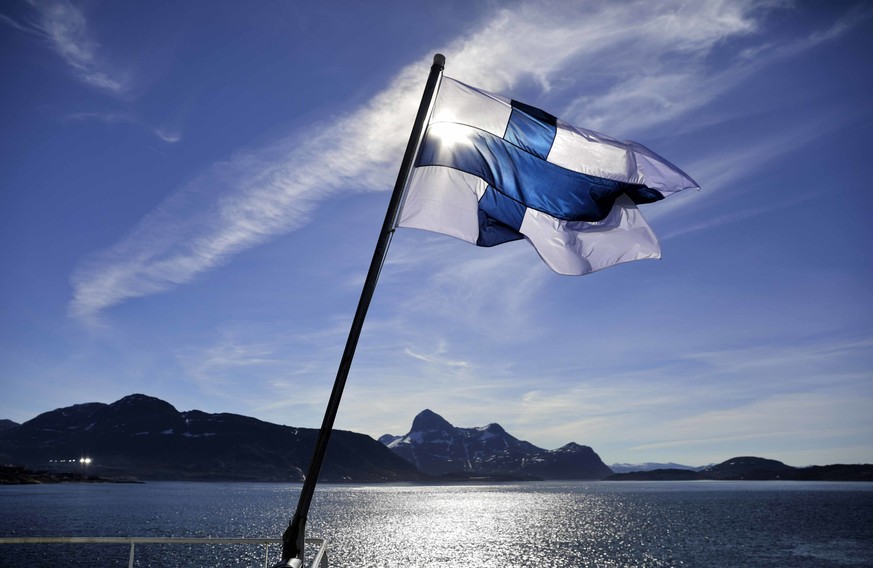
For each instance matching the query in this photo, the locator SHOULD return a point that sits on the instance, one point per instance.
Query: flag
(492, 170)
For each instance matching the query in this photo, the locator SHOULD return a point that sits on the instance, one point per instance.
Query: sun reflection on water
(487, 526)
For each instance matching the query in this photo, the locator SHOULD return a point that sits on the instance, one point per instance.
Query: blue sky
(190, 194)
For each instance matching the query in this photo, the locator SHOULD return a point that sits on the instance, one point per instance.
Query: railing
(319, 561)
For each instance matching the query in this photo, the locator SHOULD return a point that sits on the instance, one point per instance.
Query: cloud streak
(273, 190)
(64, 28)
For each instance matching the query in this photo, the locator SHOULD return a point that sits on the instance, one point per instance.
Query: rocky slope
(437, 447)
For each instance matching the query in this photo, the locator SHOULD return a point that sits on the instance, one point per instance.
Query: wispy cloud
(6, 20)
(725, 174)
(257, 366)
(735, 216)
(437, 358)
(64, 27)
(671, 75)
(473, 292)
(777, 420)
(273, 190)
(169, 135)
(749, 398)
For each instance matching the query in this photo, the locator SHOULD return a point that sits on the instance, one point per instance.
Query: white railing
(319, 561)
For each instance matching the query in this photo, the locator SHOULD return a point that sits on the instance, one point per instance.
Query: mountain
(7, 424)
(148, 438)
(649, 466)
(754, 468)
(436, 447)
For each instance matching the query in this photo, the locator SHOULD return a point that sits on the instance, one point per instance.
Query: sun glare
(451, 134)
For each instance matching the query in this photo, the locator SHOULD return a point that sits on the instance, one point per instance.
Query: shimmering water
(627, 524)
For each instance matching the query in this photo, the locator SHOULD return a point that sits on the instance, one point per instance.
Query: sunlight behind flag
(492, 170)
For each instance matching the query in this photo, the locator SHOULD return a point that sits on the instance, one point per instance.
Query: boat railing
(318, 561)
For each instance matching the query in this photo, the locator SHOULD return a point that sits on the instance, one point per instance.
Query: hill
(148, 438)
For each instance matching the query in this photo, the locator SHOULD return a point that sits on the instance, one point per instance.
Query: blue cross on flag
(492, 170)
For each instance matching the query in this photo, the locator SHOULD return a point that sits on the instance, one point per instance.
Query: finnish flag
(492, 170)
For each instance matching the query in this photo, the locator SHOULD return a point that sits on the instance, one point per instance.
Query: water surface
(548, 524)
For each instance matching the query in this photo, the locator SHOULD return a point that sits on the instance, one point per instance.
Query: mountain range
(649, 466)
(148, 438)
(436, 447)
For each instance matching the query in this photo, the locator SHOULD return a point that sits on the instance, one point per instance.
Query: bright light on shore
(85, 461)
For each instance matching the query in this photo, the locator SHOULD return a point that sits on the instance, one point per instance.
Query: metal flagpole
(292, 539)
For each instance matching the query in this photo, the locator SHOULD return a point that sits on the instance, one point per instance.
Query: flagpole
(293, 537)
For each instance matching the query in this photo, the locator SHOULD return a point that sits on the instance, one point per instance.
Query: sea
(536, 524)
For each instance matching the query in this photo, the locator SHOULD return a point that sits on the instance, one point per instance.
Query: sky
(190, 195)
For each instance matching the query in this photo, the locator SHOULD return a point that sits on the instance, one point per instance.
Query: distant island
(748, 468)
(141, 437)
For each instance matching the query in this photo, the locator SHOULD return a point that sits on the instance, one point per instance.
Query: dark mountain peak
(6, 424)
(138, 413)
(572, 447)
(494, 429)
(144, 403)
(428, 420)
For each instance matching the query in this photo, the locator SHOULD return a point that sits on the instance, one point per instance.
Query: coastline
(20, 475)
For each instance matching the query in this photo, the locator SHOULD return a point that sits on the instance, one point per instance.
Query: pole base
(290, 563)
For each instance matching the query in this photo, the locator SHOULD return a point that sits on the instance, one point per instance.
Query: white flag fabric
(492, 170)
